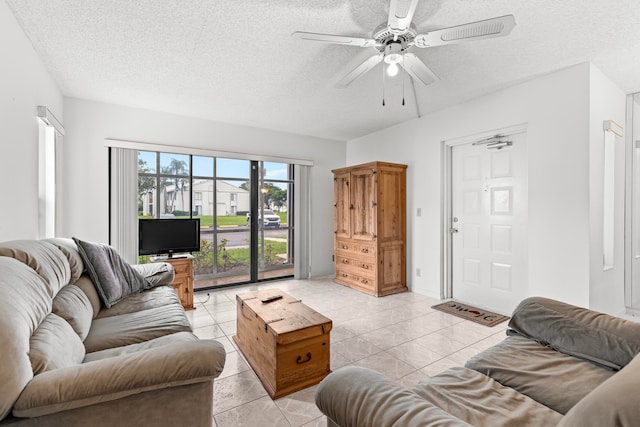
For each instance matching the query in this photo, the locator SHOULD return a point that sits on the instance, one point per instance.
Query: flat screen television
(168, 236)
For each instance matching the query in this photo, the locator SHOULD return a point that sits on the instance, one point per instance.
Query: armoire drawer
(356, 266)
(355, 279)
(349, 249)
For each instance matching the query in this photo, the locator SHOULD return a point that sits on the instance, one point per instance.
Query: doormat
(468, 312)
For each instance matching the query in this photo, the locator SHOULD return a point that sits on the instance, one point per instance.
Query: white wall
(88, 123)
(607, 102)
(24, 84)
(555, 108)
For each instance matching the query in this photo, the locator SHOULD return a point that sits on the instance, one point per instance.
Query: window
(219, 191)
(51, 133)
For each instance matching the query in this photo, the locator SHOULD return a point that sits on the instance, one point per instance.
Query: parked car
(270, 219)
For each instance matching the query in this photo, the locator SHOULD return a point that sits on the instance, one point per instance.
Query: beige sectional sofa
(559, 365)
(67, 360)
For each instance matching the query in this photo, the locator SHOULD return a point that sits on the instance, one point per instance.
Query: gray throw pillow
(112, 276)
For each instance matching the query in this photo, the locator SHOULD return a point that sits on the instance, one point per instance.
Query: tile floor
(397, 335)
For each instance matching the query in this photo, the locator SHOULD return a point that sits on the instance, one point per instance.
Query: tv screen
(168, 236)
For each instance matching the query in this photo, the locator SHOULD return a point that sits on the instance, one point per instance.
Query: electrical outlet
(418, 272)
(419, 212)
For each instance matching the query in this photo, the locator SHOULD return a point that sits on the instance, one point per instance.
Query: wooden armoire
(370, 227)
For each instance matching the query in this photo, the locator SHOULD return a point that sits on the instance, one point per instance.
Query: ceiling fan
(394, 38)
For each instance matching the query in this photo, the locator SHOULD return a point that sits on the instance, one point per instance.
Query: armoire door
(341, 205)
(363, 204)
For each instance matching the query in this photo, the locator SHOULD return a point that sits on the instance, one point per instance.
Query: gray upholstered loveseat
(67, 360)
(560, 365)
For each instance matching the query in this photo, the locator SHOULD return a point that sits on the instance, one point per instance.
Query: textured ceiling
(236, 62)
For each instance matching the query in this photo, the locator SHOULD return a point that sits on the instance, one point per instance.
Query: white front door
(488, 223)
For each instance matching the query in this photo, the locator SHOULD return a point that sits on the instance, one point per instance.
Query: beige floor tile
(229, 328)
(386, 364)
(209, 332)
(340, 332)
(355, 348)
(391, 336)
(260, 412)
(466, 332)
(220, 307)
(338, 360)
(318, 422)
(439, 366)
(440, 343)
(234, 364)
(414, 354)
(223, 316)
(236, 390)
(300, 407)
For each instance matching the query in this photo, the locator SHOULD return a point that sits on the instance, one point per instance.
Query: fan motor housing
(385, 37)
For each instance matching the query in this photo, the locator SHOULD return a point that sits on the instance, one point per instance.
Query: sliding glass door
(245, 209)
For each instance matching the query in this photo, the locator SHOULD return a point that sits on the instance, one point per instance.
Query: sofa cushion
(552, 378)
(161, 296)
(613, 403)
(113, 277)
(89, 289)
(25, 303)
(73, 305)
(70, 250)
(136, 327)
(46, 259)
(579, 332)
(54, 345)
(482, 401)
(178, 337)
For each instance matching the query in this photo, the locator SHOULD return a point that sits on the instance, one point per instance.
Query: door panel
(363, 212)
(391, 220)
(488, 224)
(341, 203)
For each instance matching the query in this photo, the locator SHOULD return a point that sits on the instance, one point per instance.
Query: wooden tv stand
(183, 280)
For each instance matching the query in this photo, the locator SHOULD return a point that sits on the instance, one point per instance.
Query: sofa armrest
(117, 377)
(354, 396)
(576, 331)
(156, 273)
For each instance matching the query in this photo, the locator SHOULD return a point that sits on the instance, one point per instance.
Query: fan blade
(417, 69)
(489, 28)
(359, 70)
(400, 14)
(331, 38)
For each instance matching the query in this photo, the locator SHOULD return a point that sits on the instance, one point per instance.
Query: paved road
(239, 236)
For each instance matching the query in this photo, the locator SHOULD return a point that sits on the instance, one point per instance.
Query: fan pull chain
(383, 81)
(403, 78)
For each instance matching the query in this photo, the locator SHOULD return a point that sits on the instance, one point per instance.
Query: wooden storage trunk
(286, 343)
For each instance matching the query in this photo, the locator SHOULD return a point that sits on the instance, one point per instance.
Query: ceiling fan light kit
(393, 39)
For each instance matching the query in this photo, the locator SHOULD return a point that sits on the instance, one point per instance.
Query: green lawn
(227, 221)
